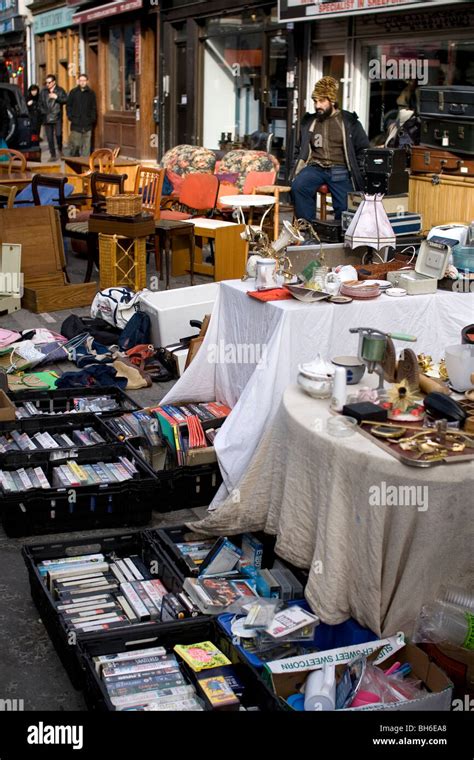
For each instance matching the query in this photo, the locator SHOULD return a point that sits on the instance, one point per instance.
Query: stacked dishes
(360, 289)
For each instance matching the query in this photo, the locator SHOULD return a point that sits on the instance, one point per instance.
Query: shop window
(396, 72)
(121, 51)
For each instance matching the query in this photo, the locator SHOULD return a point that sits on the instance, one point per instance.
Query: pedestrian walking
(52, 99)
(81, 109)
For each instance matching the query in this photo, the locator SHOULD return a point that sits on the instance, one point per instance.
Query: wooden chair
(7, 196)
(103, 184)
(16, 160)
(149, 184)
(102, 160)
(116, 151)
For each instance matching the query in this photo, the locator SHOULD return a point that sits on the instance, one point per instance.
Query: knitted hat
(327, 87)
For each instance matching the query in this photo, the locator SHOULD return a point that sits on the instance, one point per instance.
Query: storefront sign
(299, 10)
(57, 19)
(104, 11)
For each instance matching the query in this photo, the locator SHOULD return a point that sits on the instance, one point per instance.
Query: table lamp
(371, 227)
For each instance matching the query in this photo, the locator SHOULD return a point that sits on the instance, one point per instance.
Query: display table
(241, 202)
(318, 494)
(252, 350)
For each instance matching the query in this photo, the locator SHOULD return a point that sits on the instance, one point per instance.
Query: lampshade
(370, 226)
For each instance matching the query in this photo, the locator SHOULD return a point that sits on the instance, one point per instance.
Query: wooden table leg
(91, 255)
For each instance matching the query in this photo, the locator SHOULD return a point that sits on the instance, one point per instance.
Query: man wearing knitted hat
(329, 152)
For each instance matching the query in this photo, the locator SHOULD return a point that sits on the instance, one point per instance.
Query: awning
(103, 11)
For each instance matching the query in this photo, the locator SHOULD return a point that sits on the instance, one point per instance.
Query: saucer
(396, 292)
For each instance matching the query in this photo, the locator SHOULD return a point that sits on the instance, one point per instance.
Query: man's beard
(324, 113)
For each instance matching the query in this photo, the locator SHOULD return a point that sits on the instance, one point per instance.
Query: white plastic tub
(171, 310)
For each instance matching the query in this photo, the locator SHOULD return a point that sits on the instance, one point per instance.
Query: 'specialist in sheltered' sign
(300, 10)
(104, 11)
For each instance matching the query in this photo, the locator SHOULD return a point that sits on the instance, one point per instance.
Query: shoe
(52, 158)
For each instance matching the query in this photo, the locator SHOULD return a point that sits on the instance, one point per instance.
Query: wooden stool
(323, 191)
(272, 190)
(165, 231)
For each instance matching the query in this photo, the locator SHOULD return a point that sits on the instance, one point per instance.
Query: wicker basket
(125, 204)
(378, 271)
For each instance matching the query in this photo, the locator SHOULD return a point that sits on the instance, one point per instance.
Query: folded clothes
(277, 294)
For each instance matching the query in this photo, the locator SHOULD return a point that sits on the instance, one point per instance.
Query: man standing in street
(52, 99)
(81, 111)
(329, 152)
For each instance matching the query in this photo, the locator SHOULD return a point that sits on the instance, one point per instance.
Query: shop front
(382, 55)
(120, 58)
(227, 75)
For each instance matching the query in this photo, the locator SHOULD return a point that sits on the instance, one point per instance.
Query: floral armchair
(240, 162)
(187, 159)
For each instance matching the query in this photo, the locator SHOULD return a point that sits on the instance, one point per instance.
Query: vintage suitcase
(453, 134)
(449, 102)
(402, 223)
(426, 160)
(393, 184)
(384, 160)
(391, 203)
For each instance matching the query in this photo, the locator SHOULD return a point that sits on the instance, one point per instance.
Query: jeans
(306, 183)
(79, 143)
(52, 130)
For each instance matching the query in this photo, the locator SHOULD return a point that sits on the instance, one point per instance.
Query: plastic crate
(61, 401)
(97, 699)
(60, 509)
(122, 545)
(325, 636)
(53, 425)
(181, 487)
(166, 539)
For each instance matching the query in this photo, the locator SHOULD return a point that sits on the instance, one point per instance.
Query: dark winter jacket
(51, 109)
(81, 109)
(36, 117)
(355, 142)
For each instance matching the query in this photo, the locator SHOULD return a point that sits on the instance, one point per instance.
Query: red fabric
(277, 294)
(174, 215)
(199, 191)
(176, 180)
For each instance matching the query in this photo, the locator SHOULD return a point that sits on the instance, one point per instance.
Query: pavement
(29, 666)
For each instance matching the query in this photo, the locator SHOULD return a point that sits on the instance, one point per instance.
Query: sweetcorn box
(287, 676)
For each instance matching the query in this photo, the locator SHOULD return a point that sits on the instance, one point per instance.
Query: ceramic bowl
(354, 367)
(321, 388)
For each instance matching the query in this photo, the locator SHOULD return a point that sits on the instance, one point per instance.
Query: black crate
(256, 694)
(56, 510)
(181, 487)
(61, 401)
(166, 539)
(53, 425)
(67, 647)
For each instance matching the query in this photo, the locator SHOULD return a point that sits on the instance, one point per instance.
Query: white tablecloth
(252, 350)
(368, 560)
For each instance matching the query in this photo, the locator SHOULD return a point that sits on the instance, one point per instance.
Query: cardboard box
(7, 408)
(433, 678)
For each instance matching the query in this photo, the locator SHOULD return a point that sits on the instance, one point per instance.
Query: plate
(396, 292)
(307, 295)
(383, 284)
(340, 299)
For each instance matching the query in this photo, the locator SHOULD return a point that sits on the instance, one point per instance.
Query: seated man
(329, 152)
